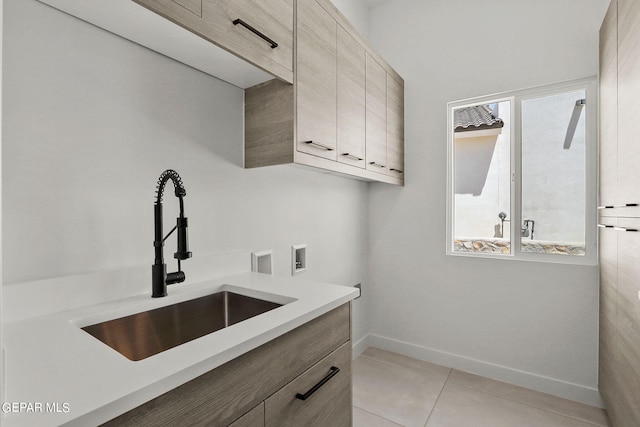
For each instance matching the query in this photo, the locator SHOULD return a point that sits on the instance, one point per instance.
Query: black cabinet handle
(626, 205)
(377, 164)
(332, 372)
(324, 147)
(352, 156)
(617, 228)
(396, 170)
(256, 32)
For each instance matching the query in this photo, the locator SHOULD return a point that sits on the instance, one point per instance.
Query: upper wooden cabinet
(257, 31)
(345, 111)
(628, 150)
(608, 83)
(376, 123)
(351, 100)
(316, 81)
(395, 126)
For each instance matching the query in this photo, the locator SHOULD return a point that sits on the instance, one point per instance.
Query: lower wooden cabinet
(259, 387)
(319, 397)
(326, 390)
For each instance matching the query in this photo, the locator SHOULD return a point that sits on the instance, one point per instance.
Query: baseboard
(575, 392)
(360, 346)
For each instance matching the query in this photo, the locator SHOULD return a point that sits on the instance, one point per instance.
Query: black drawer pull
(617, 228)
(332, 372)
(256, 32)
(396, 170)
(626, 205)
(352, 156)
(315, 144)
(377, 164)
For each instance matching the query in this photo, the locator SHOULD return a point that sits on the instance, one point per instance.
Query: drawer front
(330, 403)
(213, 20)
(220, 396)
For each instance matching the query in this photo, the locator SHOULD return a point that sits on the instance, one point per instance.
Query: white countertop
(58, 374)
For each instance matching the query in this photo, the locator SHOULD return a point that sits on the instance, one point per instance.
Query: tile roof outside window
(476, 118)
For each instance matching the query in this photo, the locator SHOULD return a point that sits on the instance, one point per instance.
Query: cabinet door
(376, 126)
(628, 105)
(608, 248)
(627, 352)
(351, 100)
(316, 80)
(214, 20)
(395, 126)
(329, 405)
(609, 109)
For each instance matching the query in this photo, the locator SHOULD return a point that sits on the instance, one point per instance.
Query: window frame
(589, 85)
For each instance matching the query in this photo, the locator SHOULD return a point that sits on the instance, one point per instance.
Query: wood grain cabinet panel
(193, 6)
(608, 83)
(376, 128)
(222, 395)
(395, 126)
(253, 418)
(608, 247)
(316, 80)
(351, 100)
(627, 351)
(213, 20)
(628, 105)
(628, 286)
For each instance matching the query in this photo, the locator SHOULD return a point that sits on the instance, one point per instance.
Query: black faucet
(159, 277)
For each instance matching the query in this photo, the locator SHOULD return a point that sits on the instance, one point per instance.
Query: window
(522, 175)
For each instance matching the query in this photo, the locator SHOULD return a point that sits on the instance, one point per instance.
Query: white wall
(90, 122)
(529, 323)
(357, 12)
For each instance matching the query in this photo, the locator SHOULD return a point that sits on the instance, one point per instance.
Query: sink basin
(144, 334)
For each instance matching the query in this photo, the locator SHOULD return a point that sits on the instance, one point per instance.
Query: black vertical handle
(256, 32)
(332, 372)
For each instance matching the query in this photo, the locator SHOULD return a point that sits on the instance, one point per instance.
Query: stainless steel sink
(144, 334)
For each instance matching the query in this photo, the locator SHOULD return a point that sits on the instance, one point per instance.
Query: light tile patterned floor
(394, 390)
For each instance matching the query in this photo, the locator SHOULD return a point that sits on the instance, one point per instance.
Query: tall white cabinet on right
(619, 213)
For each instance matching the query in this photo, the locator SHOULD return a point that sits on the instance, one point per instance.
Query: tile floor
(394, 390)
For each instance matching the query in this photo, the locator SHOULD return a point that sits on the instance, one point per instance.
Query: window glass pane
(553, 174)
(482, 169)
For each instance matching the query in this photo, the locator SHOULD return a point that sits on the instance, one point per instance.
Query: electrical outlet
(298, 259)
